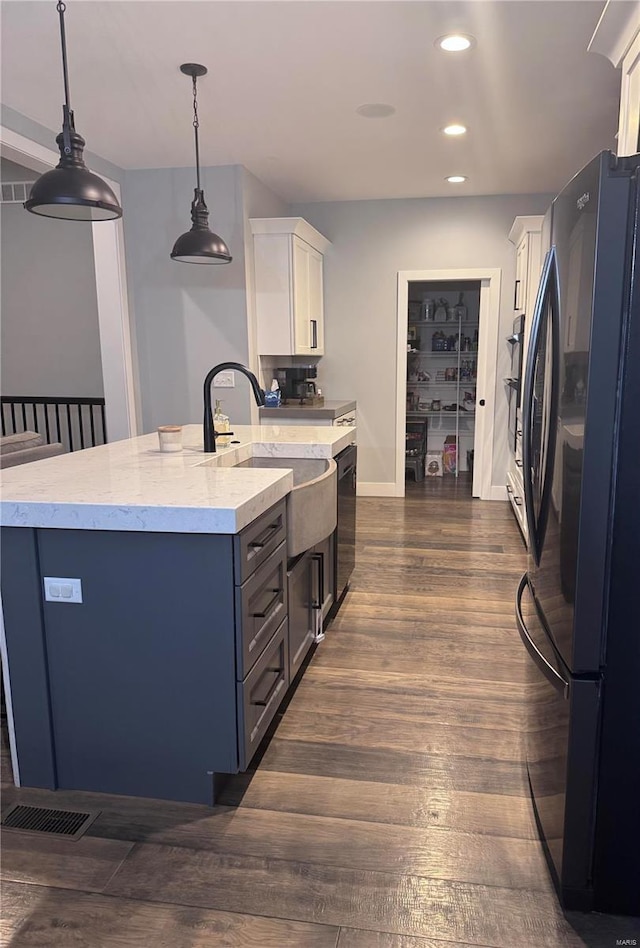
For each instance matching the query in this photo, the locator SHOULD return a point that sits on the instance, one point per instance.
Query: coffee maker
(296, 384)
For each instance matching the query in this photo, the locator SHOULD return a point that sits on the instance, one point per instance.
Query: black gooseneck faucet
(210, 434)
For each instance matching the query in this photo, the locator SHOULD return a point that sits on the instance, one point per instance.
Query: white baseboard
(498, 493)
(378, 489)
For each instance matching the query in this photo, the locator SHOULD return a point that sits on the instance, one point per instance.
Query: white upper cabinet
(288, 256)
(525, 234)
(617, 36)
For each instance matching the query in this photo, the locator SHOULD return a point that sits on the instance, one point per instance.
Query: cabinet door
(301, 618)
(520, 289)
(308, 322)
(316, 302)
(324, 580)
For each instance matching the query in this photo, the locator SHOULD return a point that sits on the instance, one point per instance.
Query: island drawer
(254, 544)
(261, 605)
(259, 696)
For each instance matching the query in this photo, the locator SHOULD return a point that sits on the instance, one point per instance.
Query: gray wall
(371, 242)
(49, 329)
(10, 171)
(187, 318)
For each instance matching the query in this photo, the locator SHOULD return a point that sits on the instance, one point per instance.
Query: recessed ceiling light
(456, 178)
(455, 42)
(375, 110)
(454, 130)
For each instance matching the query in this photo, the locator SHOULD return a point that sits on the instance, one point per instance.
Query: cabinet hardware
(264, 538)
(270, 605)
(272, 692)
(481, 403)
(517, 501)
(515, 295)
(518, 462)
(314, 333)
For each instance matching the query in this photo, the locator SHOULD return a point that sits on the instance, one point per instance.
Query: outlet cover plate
(62, 589)
(225, 379)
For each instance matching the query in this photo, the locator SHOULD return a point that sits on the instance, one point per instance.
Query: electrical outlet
(225, 380)
(60, 589)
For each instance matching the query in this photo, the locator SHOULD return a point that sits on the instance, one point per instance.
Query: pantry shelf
(442, 357)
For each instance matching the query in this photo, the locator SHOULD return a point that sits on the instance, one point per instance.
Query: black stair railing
(75, 422)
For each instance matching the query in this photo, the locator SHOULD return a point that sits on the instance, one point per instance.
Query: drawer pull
(260, 542)
(273, 602)
(518, 462)
(272, 692)
(517, 501)
(509, 489)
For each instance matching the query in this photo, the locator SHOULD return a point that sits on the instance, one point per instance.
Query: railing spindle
(69, 427)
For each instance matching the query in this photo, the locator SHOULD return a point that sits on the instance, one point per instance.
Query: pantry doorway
(447, 344)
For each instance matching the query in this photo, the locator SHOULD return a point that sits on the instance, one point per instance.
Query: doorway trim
(490, 279)
(121, 403)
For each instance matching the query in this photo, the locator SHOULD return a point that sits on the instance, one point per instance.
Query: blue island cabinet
(169, 671)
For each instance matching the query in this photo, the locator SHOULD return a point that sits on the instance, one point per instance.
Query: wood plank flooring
(389, 808)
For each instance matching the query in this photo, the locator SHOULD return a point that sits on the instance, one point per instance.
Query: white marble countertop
(132, 485)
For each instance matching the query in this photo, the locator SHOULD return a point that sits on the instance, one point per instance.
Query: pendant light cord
(61, 8)
(196, 126)
(68, 114)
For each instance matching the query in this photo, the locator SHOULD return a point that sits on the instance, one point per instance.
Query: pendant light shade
(200, 244)
(70, 191)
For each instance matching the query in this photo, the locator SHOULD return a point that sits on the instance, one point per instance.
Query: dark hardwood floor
(388, 809)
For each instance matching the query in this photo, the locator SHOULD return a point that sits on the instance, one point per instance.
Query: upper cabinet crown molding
(530, 224)
(291, 225)
(618, 26)
(617, 36)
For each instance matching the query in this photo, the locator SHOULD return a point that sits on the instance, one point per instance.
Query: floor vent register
(40, 819)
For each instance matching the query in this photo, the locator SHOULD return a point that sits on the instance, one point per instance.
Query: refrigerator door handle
(549, 672)
(548, 285)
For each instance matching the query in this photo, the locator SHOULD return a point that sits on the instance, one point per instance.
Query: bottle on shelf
(440, 314)
(461, 309)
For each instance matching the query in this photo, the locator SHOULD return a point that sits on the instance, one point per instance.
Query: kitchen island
(146, 642)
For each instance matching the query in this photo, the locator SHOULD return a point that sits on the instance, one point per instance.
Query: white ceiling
(285, 79)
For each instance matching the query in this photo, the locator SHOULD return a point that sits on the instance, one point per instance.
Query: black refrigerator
(578, 604)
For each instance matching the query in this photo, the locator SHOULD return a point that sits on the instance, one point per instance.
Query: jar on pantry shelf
(428, 309)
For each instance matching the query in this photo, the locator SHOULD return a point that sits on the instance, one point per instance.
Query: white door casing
(490, 280)
(111, 294)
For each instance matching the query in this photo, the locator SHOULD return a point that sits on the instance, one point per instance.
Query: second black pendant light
(200, 244)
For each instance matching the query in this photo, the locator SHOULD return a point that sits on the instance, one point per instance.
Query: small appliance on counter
(297, 384)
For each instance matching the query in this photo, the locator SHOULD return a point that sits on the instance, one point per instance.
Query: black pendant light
(70, 191)
(199, 245)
